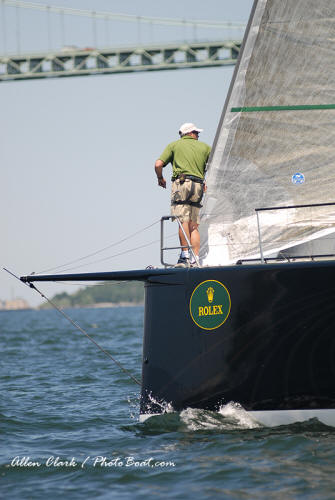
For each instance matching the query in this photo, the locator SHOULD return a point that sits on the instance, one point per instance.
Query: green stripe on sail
(299, 107)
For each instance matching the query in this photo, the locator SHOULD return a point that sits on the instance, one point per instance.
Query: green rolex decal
(210, 304)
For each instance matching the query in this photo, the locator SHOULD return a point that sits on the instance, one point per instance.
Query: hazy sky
(77, 154)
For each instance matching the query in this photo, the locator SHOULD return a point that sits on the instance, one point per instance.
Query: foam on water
(229, 417)
(236, 412)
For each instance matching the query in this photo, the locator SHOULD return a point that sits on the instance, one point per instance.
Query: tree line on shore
(116, 293)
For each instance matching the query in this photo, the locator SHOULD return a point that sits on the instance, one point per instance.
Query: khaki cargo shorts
(186, 213)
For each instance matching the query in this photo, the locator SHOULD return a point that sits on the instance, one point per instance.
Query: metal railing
(163, 249)
(263, 259)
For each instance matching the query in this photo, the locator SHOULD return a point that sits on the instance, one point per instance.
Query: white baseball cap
(187, 128)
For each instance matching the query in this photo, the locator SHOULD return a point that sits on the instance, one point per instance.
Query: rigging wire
(78, 327)
(111, 256)
(99, 251)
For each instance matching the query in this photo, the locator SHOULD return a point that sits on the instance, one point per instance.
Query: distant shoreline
(106, 305)
(98, 305)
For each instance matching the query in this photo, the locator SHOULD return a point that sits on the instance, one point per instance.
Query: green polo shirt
(187, 155)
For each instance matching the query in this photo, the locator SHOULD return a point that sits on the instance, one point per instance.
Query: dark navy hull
(275, 351)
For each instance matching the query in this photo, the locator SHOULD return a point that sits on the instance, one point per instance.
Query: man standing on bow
(189, 157)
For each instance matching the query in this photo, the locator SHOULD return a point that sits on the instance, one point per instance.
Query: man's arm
(159, 172)
(206, 165)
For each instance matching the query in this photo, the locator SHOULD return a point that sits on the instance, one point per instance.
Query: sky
(77, 154)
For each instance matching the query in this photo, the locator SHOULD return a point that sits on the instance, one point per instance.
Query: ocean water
(70, 428)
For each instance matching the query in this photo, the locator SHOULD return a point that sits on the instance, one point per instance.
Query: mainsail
(275, 144)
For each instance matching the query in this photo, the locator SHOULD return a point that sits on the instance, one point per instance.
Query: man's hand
(162, 182)
(159, 172)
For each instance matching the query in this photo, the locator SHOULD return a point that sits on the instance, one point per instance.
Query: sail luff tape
(298, 107)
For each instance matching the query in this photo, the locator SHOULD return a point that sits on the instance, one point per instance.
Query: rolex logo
(210, 314)
(210, 294)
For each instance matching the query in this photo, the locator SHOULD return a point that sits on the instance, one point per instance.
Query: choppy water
(69, 425)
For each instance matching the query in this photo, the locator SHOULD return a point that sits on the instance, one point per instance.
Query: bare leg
(192, 233)
(182, 239)
(195, 237)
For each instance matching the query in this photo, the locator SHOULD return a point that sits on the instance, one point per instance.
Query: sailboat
(255, 323)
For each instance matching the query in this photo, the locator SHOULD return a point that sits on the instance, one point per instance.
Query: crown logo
(210, 294)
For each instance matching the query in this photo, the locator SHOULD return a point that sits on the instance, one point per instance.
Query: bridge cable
(123, 17)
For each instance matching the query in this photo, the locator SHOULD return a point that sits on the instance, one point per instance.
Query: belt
(182, 177)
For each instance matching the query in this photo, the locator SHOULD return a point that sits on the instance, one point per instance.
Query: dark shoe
(183, 262)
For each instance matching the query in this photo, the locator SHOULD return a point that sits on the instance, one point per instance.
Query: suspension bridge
(43, 41)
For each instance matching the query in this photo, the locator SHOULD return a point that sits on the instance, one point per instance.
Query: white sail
(278, 121)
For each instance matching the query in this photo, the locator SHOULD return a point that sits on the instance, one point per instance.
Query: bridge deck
(79, 62)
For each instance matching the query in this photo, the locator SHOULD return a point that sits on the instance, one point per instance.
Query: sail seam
(297, 107)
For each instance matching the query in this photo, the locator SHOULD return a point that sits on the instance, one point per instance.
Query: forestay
(278, 121)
